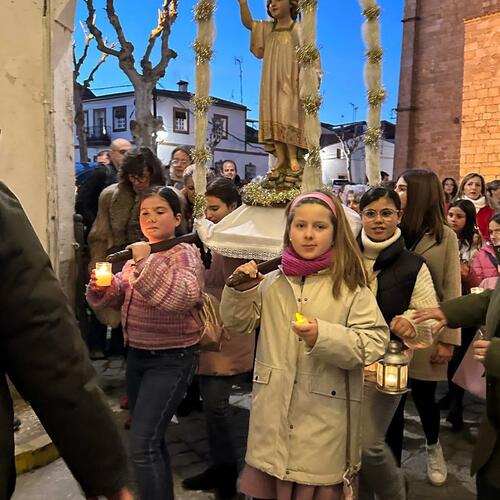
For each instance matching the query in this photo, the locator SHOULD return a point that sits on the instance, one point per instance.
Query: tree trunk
(79, 119)
(348, 164)
(145, 125)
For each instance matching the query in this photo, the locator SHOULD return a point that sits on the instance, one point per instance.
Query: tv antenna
(354, 111)
(239, 61)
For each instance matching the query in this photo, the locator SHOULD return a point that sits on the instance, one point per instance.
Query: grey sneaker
(437, 471)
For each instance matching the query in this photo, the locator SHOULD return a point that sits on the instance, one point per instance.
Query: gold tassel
(314, 158)
(372, 137)
(201, 104)
(307, 54)
(200, 205)
(201, 156)
(204, 52)
(374, 56)
(255, 194)
(308, 5)
(204, 10)
(311, 104)
(372, 13)
(376, 96)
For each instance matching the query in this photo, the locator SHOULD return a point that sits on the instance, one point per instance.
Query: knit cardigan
(159, 298)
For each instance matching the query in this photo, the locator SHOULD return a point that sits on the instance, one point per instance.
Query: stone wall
(36, 129)
(480, 140)
(428, 133)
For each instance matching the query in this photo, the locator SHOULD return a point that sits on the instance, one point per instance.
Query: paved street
(188, 446)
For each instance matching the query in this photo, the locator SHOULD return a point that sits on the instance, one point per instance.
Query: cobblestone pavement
(188, 447)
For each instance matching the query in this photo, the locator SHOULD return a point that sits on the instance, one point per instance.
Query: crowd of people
(312, 331)
(423, 242)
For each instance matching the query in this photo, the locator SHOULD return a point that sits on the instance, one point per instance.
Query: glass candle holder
(103, 273)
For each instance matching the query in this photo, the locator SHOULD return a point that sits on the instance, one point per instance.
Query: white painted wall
(231, 148)
(334, 167)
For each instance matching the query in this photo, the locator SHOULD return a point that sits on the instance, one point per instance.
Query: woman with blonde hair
(473, 188)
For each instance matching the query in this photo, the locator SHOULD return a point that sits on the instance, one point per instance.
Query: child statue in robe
(281, 117)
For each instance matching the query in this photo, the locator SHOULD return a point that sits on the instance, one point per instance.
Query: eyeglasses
(385, 213)
(179, 162)
(139, 178)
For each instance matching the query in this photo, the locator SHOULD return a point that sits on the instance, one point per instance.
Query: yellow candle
(299, 318)
(103, 273)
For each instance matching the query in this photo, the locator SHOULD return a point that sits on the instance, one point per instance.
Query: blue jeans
(215, 392)
(156, 384)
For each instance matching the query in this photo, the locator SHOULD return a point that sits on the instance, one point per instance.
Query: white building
(334, 160)
(107, 117)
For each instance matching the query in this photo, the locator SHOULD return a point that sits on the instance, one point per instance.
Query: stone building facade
(449, 72)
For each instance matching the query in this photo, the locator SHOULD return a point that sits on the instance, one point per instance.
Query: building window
(119, 118)
(250, 171)
(181, 121)
(100, 120)
(339, 153)
(222, 122)
(86, 118)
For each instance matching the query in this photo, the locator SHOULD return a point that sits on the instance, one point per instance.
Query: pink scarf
(294, 265)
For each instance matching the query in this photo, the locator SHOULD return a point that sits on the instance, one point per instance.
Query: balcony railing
(98, 134)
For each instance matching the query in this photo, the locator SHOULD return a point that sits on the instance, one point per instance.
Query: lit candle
(391, 380)
(299, 318)
(103, 273)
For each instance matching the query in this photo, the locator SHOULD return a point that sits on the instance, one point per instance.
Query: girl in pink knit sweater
(158, 294)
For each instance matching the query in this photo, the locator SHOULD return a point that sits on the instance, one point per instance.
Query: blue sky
(339, 40)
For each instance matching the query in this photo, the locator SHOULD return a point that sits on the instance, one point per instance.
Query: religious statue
(281, 117)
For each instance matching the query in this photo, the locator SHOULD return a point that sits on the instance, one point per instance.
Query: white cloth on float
(252, 232)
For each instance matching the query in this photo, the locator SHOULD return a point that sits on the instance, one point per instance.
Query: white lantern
(392, 370)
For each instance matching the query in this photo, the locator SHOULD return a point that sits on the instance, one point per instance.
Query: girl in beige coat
(308, 378)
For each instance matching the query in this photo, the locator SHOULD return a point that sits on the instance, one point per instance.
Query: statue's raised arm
(246, 15)
(281, 117)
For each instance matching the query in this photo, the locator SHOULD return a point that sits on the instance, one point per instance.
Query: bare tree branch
(166, 16)
(126, 48)
(88, 81)
(75, 73)
(78, 64)
(166, 52)
(145, 124)
(97, 33)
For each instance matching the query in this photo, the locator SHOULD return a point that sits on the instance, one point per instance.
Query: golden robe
(281, 117)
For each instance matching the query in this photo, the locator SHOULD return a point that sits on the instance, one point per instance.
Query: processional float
(255, 230)
(290, 79)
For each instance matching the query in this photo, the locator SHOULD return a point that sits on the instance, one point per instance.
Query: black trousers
(423, 393)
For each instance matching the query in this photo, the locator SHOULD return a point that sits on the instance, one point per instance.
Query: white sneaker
(437, 471)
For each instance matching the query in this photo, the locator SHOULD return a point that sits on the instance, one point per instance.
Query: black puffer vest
(396, 280)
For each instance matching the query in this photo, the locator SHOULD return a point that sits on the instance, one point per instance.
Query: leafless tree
(79, 89)
(145, 125)
(350, 138)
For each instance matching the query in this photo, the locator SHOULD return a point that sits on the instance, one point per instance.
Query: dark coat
(87, 197)
(475, 310)
(42, 352)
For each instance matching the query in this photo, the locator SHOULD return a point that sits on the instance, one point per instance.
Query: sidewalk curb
(36, 453)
